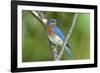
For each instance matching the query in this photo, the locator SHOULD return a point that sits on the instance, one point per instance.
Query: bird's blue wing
(58, 32)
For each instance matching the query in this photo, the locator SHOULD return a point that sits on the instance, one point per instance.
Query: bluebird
(56, 37)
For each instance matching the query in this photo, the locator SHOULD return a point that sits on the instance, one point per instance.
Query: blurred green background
(35, 46)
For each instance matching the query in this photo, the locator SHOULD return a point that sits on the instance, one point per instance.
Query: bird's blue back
(58, 32)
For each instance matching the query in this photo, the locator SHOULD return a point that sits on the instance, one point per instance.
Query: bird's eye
(52, 21)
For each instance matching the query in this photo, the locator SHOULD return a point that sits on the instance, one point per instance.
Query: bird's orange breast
(49, 29)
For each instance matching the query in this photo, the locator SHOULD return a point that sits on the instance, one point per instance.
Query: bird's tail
(69, 52)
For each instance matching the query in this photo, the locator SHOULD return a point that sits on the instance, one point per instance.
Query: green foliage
(35, 46)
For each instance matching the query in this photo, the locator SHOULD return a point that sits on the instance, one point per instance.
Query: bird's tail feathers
(69, 52)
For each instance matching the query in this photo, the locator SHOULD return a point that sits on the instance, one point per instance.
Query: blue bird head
(52, 22)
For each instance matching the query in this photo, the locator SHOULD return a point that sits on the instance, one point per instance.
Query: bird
(56, 37)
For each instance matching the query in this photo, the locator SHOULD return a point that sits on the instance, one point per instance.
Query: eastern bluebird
(56, 37)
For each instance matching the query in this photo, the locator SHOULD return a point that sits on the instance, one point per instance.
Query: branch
(68, 35)
(54, 51)
(40, 17)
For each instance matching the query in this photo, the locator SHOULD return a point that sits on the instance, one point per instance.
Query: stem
(54, 51)
(68, 35)
(40, 17)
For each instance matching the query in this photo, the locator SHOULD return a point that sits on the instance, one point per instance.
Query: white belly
(55, 39)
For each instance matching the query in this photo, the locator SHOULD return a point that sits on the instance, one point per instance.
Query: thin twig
(40, 17)
(68, 35)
